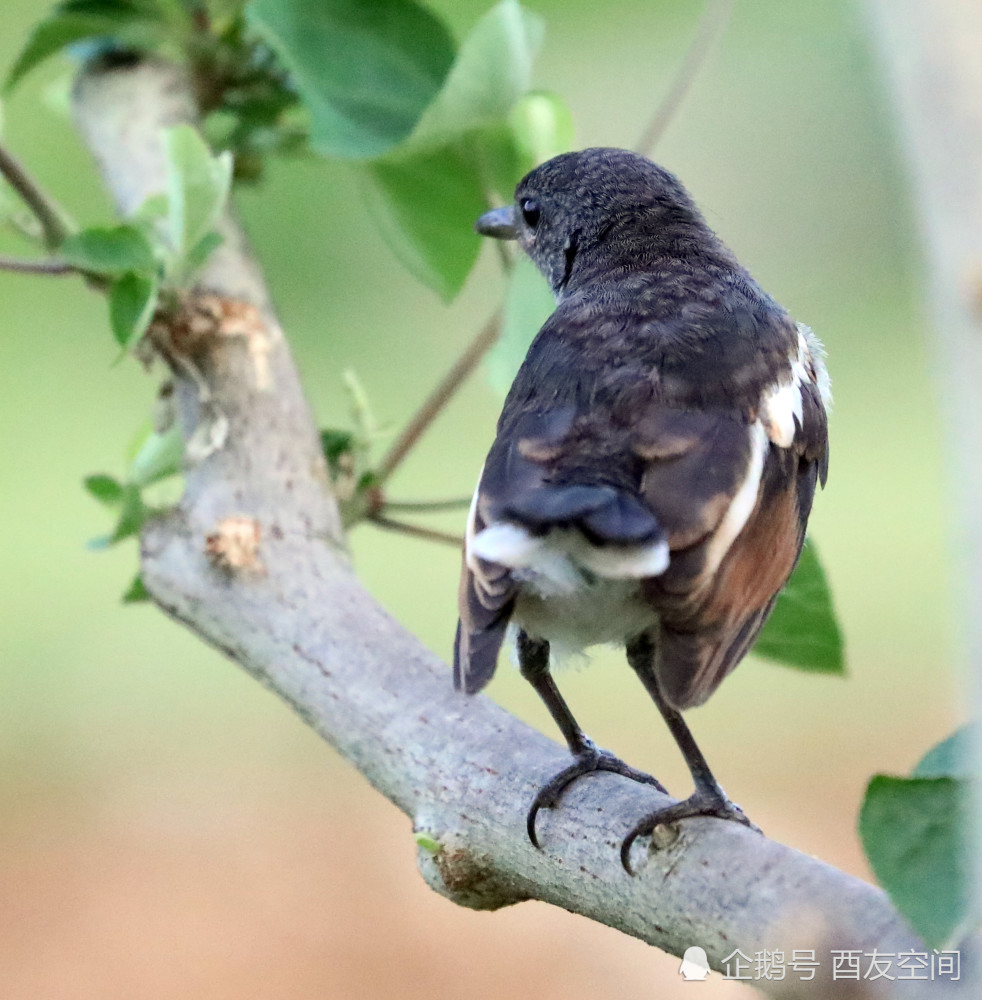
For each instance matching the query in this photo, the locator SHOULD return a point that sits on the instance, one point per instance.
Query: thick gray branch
(283, 602)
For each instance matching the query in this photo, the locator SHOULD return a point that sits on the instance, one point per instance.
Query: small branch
(439, 398)
(711, 25)
(46, 211)
(427, 506)
(48, 267)
(431, 535)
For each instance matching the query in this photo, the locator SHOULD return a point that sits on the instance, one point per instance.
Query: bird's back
(657, 454)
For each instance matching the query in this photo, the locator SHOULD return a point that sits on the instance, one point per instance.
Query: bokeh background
(169, 829)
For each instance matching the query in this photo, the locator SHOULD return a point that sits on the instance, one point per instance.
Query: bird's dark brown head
(608, 203)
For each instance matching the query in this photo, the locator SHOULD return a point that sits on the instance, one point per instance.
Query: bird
(655, 461)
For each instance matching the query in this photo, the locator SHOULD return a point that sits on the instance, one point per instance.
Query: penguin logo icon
(694, 965)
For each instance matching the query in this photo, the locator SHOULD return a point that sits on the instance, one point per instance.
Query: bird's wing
(732, 491)
(485, 599)
(523, 494)
(487, 588)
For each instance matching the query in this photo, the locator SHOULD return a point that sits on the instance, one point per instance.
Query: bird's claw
(700, 803)
(589, 760)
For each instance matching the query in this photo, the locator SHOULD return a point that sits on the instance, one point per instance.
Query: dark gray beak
(501, 223)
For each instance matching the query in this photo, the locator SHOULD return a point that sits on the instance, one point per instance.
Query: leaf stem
(48, 267)
(429, 534)
(53, 225)
(711, 25)
(439, 397)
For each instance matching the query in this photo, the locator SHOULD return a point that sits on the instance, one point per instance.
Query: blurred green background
(168, 828)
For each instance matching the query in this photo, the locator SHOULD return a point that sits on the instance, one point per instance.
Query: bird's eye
(531, 212)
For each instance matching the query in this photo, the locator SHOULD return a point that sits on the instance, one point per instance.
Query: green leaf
(109, 250)
(72, 22)
(542, 126)
(159, 456)
(528, 303)
(132, 514)
(428, 843)
(336, 443)
(201, 251)
(153, 212)
(105, 489)
(914, 834)
(425, 204)
(115, 10)
(198, 184)
(952, 758)
(427, 193)
(132, 301)
(803, 631)
(364, 70)
(491, 72)
(136, 591)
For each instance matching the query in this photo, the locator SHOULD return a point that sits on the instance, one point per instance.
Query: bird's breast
(599, 611)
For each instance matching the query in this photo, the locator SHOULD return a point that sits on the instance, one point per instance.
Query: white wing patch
(781, 405)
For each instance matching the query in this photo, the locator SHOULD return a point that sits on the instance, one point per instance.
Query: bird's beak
(501, 223)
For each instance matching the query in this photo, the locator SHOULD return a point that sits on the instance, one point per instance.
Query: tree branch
(416, 530)
(53, 226)
(46, 267)
(711, 25)
(290, 610)
(426, 506)
(439, 397)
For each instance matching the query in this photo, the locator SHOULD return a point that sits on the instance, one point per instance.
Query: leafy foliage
(109, 250)
(132, 302)
(364, 71)
(167, 241)
(425, 205)
(132, 512)
(157, 458)
(428, 192)
(129, 23)
(915, 832)
(136, 592)
(198, 185)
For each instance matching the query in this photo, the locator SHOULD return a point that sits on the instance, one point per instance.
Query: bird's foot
(590, 759)
(702, 802)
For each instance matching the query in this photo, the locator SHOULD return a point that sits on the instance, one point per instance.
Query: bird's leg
(708, 799)
(533, 659)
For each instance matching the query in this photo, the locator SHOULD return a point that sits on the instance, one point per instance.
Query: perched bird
(655, 460)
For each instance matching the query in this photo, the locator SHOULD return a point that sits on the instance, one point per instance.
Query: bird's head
(578, 207)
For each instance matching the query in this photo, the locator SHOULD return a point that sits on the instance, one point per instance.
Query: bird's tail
(552, 529)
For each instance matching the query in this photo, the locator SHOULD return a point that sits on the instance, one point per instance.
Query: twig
(427, 506)
(425, 415)
(49, 267)
(711, 25)
(46, 211)
(389, 524)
